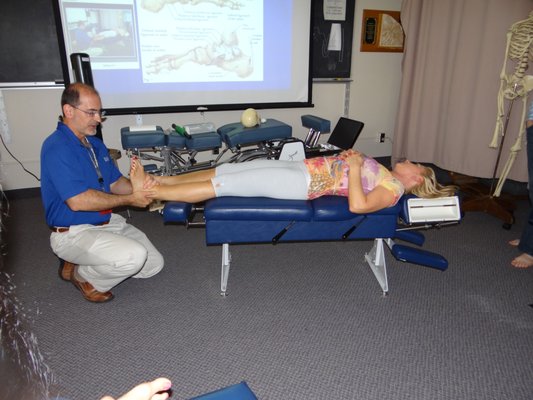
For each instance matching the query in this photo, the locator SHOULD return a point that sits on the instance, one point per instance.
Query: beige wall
(373, 95)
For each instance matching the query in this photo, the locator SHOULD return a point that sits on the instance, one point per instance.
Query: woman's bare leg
(188, 177)
(191, 192)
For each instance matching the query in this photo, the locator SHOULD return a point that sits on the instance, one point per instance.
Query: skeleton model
(515, 85)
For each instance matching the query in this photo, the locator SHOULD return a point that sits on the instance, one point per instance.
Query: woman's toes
(514, 242)
(524, 260)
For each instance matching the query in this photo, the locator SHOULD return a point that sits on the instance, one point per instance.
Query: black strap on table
(276, 238)
(353, 228)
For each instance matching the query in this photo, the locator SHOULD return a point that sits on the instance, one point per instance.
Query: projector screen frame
(68, 76)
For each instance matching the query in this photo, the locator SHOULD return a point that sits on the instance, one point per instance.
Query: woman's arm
(358, 201)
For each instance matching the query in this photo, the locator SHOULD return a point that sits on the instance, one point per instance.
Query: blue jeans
(526, 240)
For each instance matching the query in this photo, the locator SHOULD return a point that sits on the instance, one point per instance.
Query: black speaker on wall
(81, 65)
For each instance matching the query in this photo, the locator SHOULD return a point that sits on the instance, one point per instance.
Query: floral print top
(329, 176)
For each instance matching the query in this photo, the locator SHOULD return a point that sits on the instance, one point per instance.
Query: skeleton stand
(490, 203)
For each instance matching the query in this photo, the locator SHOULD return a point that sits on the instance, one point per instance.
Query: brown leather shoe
(65, 270)
(89, 292)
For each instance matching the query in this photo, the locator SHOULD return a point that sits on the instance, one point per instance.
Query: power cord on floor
(16, 159)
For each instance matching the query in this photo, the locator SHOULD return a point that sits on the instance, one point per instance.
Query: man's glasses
(92, 113)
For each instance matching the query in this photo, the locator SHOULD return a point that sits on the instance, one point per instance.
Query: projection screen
(150, 56)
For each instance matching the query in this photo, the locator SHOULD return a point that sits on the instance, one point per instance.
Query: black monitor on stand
(81, 64)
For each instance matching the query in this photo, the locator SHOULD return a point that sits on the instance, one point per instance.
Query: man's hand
(154, 390)
(140, 199)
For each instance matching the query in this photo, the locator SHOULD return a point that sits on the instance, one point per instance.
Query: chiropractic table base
(240, 220)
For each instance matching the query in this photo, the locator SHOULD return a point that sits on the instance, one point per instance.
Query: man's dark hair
(71, 94)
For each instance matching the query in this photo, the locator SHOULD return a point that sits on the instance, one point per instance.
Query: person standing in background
(525, 243)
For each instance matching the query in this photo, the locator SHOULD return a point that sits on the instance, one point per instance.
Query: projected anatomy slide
(201, 40)
(183, 54)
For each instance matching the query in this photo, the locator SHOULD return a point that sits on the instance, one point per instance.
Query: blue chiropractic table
(238, 220)
(177, 152)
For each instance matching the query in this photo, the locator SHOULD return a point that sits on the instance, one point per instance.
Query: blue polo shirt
(67, 170)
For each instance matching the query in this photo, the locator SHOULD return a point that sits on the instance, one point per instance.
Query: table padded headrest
(176, 211)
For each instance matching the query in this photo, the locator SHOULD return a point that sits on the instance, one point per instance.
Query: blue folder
(240, 391)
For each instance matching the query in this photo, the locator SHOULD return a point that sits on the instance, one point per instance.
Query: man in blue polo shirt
(80, 185)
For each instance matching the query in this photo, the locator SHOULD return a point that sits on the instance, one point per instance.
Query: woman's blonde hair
(429, 187)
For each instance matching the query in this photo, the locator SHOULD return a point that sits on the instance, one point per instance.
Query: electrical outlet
(382, 137)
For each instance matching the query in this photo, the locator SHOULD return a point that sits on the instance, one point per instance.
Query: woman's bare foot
(514, 242)
(524, 260)
(137, 174)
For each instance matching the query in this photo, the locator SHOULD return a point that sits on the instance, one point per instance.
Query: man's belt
(63, 229)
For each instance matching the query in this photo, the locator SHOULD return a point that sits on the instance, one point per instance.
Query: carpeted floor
(301, 322)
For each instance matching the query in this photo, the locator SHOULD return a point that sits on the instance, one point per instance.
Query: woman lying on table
(368, 185)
